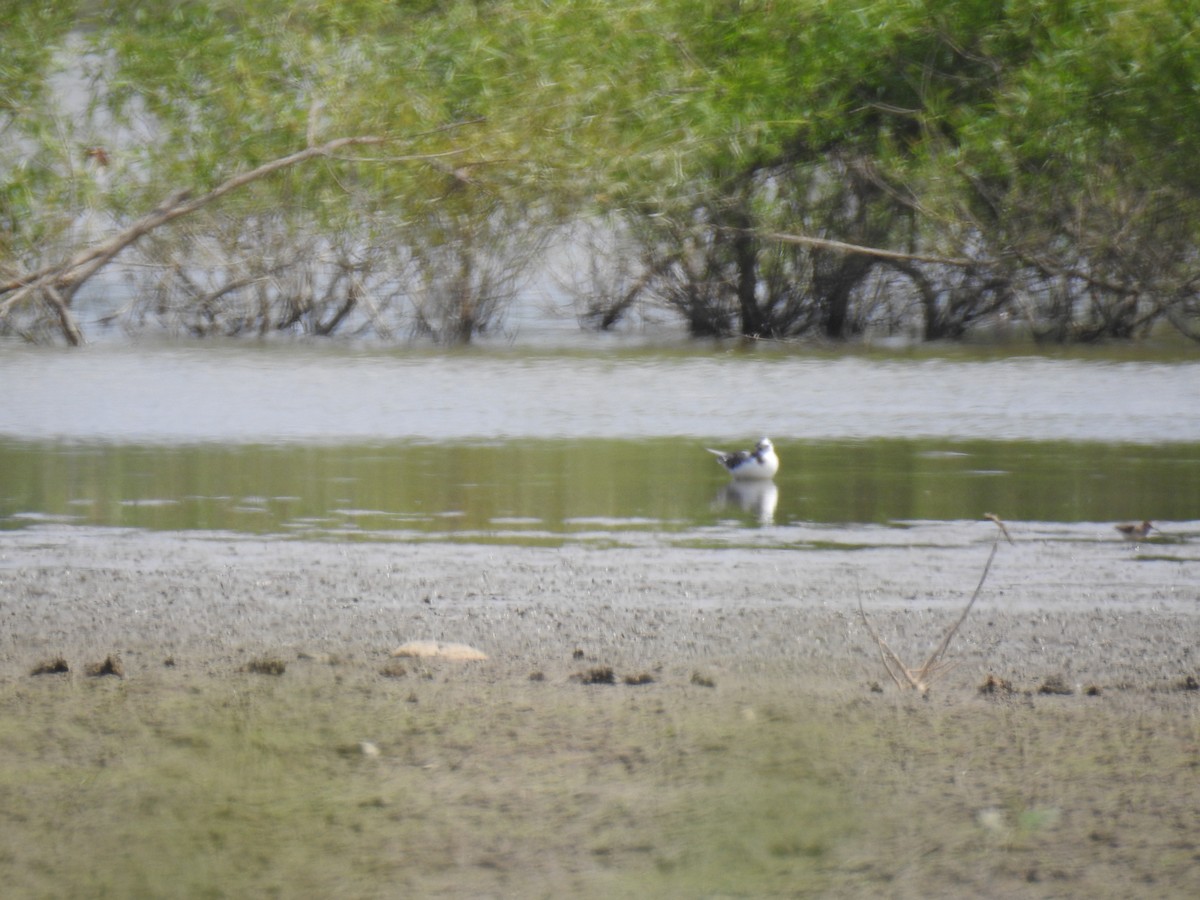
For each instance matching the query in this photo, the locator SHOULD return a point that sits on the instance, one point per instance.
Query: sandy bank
(1099, 612)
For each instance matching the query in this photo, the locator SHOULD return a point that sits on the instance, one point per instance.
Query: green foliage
(1037, 138)
(29, 33)
(31, 197)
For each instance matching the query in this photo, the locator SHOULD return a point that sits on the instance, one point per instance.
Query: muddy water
(545, 446)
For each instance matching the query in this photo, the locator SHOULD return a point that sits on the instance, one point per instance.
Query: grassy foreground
(334, 781)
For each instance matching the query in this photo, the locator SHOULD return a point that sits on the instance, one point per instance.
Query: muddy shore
(1076, 777)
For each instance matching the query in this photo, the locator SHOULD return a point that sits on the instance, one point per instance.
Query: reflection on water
(538, 446)
(555, 491)
(757, 499)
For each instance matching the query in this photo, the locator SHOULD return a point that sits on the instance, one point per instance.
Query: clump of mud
(597, 675)
(393, 670)
(111, 665)
(994, 685)
(1055, 684)
(55, 666)
(267, 665)
(604, 675)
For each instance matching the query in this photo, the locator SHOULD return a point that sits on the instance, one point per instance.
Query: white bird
(759, 464)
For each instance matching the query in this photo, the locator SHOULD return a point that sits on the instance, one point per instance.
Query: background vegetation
(764, 169)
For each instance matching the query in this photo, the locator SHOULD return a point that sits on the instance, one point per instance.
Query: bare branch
(935, 666)
(992, 517)
(66, 321)
(843, 247)
(932, 662)
(58, 282)
(891, 662)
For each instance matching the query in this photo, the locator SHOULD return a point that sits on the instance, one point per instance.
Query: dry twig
(935, 666)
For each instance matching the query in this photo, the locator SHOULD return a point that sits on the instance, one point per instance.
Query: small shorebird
(759, 464)
(1132, 532)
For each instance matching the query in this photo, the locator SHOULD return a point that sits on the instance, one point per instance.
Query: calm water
(205, 393)
(550, 446)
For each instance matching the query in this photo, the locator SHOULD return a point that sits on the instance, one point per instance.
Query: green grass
(256, 786)
(481, 782)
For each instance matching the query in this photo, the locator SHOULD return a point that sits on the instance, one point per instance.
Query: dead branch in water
(57, 283)
(935, 666)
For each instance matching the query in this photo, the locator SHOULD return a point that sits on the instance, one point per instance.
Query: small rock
(368, 749)
(439, 650)
(990, 819)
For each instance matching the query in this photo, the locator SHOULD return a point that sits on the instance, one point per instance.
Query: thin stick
(843, 247)
(934, 666)
(886, 654)
(941, 648)
(992, 517)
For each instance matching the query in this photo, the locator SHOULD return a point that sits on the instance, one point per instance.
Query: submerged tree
(766, 169)
(271, 168)
(1025, 162)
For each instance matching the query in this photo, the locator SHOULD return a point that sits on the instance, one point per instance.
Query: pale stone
(438, 649)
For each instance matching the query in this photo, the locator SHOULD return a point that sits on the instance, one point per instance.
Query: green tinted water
(537, 491)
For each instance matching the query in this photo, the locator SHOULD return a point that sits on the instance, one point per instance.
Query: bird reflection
(756, 497)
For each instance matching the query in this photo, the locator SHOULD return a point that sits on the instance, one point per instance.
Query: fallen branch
(935, 666)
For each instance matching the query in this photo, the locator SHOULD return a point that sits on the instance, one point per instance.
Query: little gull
(758, 464)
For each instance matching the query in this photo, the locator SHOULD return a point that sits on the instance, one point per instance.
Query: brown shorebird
(1135, 532)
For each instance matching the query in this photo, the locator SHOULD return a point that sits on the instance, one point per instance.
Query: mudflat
(222, 715)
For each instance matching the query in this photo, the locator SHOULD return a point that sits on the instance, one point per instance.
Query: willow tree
(757, 168)
(274, 166)
(38, 206)
(1080, 173)
(934, 165)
